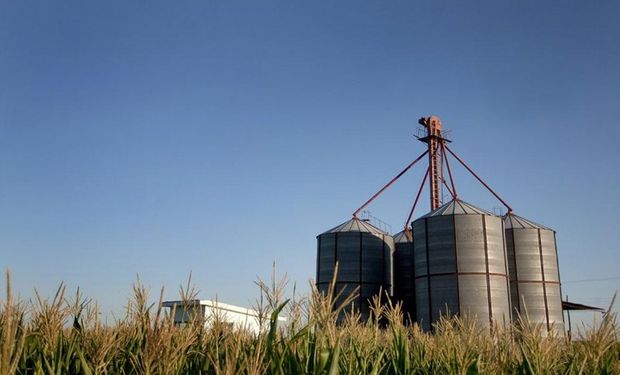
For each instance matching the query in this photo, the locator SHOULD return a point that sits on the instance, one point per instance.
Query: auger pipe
(479, 179)
(388, 184)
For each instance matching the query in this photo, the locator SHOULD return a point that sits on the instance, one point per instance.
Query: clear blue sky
(155, 138)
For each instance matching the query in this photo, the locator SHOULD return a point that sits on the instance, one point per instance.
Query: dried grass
(66, 336)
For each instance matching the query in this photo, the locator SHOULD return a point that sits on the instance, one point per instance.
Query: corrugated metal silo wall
(404, 279)
(535, 277)
(364, 262)
(461, 268)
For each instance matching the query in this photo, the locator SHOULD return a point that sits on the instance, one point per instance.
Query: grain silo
(404, 278)
(458, 258)
(364, 256)
(460, 265)
(534, 273)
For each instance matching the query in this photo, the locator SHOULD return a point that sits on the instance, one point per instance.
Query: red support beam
(448, 187)
(479, 179)
(417, 197)
(388, 184)
(454, 193)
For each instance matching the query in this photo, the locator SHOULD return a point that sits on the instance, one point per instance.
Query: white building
(238, 317)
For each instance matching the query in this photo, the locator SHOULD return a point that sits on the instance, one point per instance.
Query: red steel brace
(417, 197)
(479, 179)
(388, 184)
(454, 193)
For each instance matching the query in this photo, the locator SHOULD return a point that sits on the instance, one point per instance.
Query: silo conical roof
(403, 236)
(457, 207)
(512, 221)
(356, 225)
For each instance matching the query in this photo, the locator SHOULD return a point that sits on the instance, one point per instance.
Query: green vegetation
(65, 336)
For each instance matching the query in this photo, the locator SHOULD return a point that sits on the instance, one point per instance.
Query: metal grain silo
(460, 265)
(404, 278)
(364, 256)
(534, 272)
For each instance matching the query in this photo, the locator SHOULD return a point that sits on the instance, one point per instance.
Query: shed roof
(566, 305)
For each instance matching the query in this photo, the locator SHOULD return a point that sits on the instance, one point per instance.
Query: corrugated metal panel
(342, 291)
(500, 305)
(514, 300)
(419, 248)
(547, 239)
(327, 258)
(467, 265)
(554, 304)
(510, 255)
(368, 292)
(444, 296)
(495, 245)
(534, 276)
(527, 254)
(440, 237)
(422, 303)
(373, 268)
(470, 243)
(388, 265)
(349, 257)
(532, 302)
(364, 256)
(474, 299)
(404, 276)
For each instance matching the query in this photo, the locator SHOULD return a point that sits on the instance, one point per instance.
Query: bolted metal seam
(428, 275)
(542, 269)
(456, 266)
(486, 262)
(557, 262)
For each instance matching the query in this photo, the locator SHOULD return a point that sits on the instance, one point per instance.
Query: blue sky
(159, 138)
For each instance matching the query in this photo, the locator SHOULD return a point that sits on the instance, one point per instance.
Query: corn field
(65, 335)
